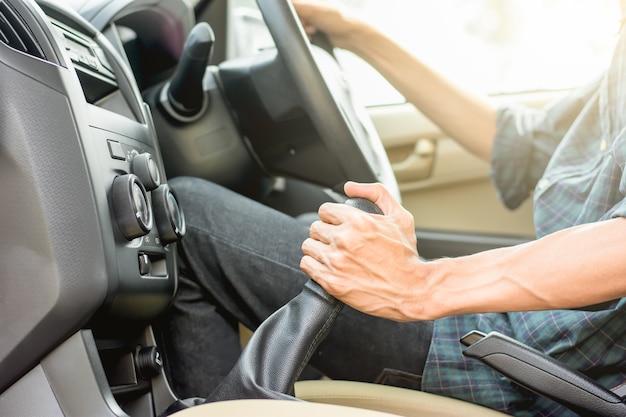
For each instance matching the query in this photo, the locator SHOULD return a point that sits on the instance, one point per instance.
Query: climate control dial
(131, 206)
(168, 214)
(146, 169)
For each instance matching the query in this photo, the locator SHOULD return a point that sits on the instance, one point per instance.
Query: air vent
(15, 33)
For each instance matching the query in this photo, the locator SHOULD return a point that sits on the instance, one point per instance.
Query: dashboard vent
(15, 33)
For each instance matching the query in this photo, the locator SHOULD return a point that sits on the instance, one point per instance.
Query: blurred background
(487, 46)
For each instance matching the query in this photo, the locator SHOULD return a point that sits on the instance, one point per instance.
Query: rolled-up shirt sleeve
(525, 140)
(618, 153)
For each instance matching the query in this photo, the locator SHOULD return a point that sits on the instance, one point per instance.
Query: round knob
(146, 169)
(131, 206)
(170, 220)
(364, 205)
(148, 362)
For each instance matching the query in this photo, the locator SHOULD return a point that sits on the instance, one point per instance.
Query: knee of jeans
(196, 195)
(187, 184)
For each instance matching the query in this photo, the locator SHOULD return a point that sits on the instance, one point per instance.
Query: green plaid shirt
(572, 155)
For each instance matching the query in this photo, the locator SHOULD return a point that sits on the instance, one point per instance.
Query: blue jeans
(239, 262)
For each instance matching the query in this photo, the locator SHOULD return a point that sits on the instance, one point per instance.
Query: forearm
(468, 119)
(572, 268)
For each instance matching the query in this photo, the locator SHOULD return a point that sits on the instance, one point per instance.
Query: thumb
(376, 193)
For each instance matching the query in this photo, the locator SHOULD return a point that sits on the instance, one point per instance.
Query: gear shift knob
(184, 91)
(364, 205)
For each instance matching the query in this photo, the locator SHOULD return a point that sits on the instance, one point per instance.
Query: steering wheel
(344, 127)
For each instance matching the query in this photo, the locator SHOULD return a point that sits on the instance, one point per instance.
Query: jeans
(239, 262)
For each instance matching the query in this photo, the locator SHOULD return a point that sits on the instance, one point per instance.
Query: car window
(489, 46)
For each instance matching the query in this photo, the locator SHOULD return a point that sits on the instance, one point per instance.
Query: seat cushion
(398, 401)
(274, 408)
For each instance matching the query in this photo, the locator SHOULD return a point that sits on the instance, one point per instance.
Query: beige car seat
(397, 401)
(274, 408)
(346, 399)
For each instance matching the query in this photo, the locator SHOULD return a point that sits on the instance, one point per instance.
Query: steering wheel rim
(344, 127)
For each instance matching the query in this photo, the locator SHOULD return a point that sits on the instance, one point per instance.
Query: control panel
(141, 203)
(142, 219)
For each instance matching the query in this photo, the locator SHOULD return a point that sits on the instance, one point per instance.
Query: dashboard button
(144, 264)
(115, 150)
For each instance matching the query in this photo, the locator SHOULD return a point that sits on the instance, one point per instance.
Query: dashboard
(89, 223)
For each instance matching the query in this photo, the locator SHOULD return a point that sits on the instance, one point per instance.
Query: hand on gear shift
(280, 348)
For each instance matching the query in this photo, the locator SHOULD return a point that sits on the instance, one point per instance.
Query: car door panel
(444, 186)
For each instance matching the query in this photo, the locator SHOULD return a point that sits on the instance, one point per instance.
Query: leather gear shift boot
(280, 348)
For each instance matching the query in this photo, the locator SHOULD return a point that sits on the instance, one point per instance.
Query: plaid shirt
(572, 154)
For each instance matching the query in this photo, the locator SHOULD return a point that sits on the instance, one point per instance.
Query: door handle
(418, 164)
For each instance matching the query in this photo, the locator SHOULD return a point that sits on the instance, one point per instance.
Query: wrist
(357, 36)
(478, 283)
(442, 288)
(421, 303)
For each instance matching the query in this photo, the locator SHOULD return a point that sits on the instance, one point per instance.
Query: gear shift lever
(283, 344)
(184, 91)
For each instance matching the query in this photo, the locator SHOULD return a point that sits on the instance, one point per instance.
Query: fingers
(334, 213)
(322, 16)
(379, 195)
(320, 231)
(330, 238)
(374, 192)
(314, 261)
(313, 269)
(310, 30)
(317, 262)
(313, 248)
(309, 266)
(304, 11)
(320, 249)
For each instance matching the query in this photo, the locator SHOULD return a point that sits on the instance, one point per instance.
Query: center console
(89, 223)
(139, 214)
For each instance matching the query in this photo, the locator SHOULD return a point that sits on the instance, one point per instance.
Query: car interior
(102, 102)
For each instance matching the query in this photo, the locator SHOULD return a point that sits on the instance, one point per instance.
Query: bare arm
(468, 119)
(574, 267)
(370, 262)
